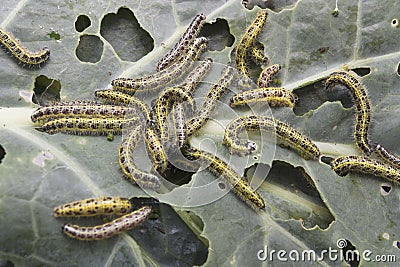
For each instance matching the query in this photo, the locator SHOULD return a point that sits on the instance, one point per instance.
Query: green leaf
(40, 171)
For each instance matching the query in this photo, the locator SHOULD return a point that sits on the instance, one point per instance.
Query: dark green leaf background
(39, 171)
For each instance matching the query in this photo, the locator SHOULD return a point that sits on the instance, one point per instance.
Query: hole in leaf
(90, 48)
(313, 95)
(298, 184)
(55, 35)
(363, 71)
(176, 242)
(177, 176)
(385, 189)
(395, 23)
(350, 254)
(6, 263)
(2, 153)
(218, 35)
(398, 69)
(46, 90)
(221, 186)
(323, 49)
(326, 160)
(123, 31)
(82, 22)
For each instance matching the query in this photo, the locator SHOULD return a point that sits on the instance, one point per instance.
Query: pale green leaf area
(40, 171)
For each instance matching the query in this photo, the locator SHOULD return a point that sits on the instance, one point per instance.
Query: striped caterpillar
(286, 134)
(275, 96)
(163, 103)
(257, 55)
(213, 95)
(186, 39)
(247, 40)
(363, 106)
(87, 126)
(126, 161)
(266, 76)
(361, 164)
(22, 55)
(221, 169)
(93, 207)
(117, 97)
(110, 229)
(178, 115)
(78, 109)
(387, 156)
(155, 148)
(193, 78)
(164, 77)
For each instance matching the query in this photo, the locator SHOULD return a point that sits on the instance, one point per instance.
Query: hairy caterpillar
(257, 55)
(178, 115)
(155, 148)
(186, 39)
(266, 76)
(93, 207)
(78, 109)
(387, 156)
(221, 169)
(110, 229)
(191, 81)
(361, 164)
(126, 161)
(20, 53)
(213, 95)
(275, 96)
(247, 40)
(163, 103)
(87, 126)
(117, 97)
(286, 134)
(363, 106)
(164, 77)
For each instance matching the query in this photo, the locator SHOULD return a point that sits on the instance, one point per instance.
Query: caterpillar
(87, 126)
(257, 55)
(110, 229)
(164, 77)
(178, 115)
(221, 169)
(362, 164)
(126, 161)
(286, 134)
(161, 108)
(186, 39)
(363, 106)
(117, 97)
(93, 207)
(247, 40)
(22, 55)
(266, 76)
(191, 81)
(213, 95)
(275, 96)
(78, 109)
(387, 156)
(155, 148)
